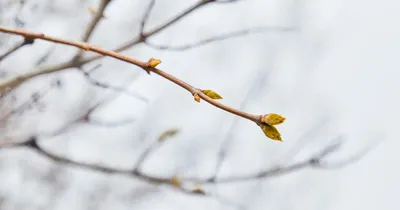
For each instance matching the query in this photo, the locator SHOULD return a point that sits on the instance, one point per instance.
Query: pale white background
(335, 74)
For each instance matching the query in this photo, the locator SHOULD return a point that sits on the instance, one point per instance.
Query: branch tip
(272, 119)
(271, 132)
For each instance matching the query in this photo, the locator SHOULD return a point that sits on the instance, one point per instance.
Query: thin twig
(227, 1)
(167, 24)
(146, 154)
(353, 159)
(146, 17)
(45, 57)
(90, 28)
(135, 173)
(78, 63)
(113, 88)
(35, 97)
(144, 65)
(223, 147)
(315, 161)
(218, 38)
(139, 39)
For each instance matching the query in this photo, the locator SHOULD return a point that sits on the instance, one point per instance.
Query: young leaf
(153, 62)
(168, 133)
(198, 191)
(271, 132)
(273, 119)
(212, 94)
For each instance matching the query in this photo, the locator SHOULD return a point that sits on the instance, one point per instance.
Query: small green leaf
(271, 132)
(212, 94)
(153, 62)
(272, 119)
(168, 133)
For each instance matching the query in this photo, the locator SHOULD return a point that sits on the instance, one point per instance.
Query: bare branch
(223, 147)
(312, 162)
(82, 61)
(44, 58)
(165, 25)
(218, 38)
(86, 116)
(227, 1)
(348, 161)
(146, 154)
(13, 82)
(90, 28)
(116, 89)
(146, 17)
(35, 97)
(135, 173)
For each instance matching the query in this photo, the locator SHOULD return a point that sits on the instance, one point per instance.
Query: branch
(218, 38)
(116, 89)
(34, 98)
(26, 41)
(167, 24)
(146, 17)
(135, 172)
(45, 57)
(315, 161)
(78, 63)
(90, 28)
(227, 1)
(225, 142)
(142, 37)
(196, 92)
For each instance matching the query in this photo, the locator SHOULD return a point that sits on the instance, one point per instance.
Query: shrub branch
(14, 82)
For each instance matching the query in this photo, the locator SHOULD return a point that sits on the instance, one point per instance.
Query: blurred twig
(315, 161)
(218, 38)
(113, 88)
(227, 1)
(99, 14)
(26, 41)
(146, 15)
(223, 147)
(79, 62)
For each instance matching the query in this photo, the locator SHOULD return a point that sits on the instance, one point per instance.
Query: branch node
(142, 37)
(31, 143)
(151, 64)
(28, 40)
